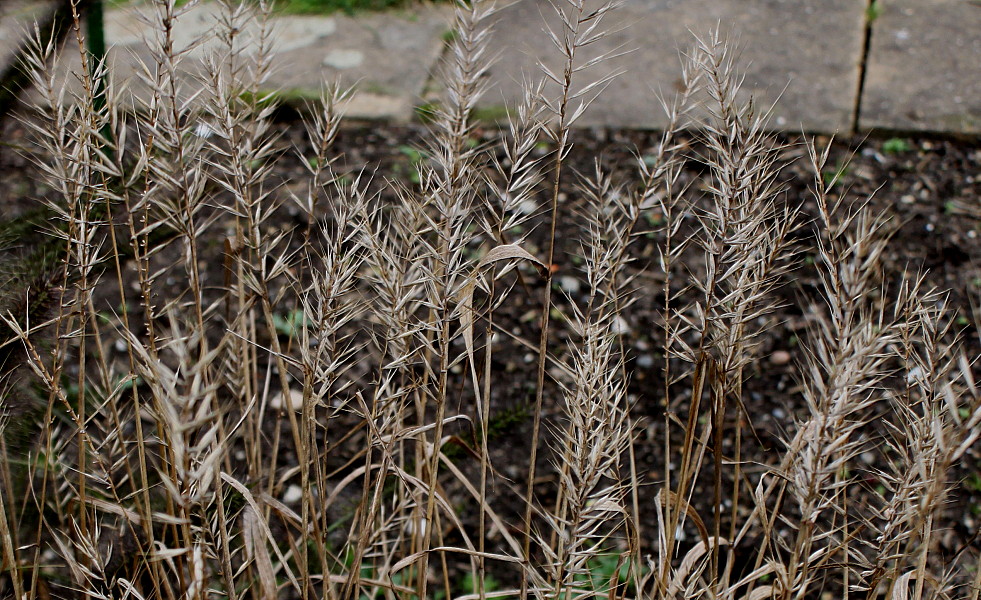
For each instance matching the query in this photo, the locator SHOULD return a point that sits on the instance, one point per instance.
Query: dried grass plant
(163, 475)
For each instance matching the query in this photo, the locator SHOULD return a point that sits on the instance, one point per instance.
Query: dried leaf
(496, 254)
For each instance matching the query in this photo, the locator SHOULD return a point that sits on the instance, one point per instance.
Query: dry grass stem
(205, 398)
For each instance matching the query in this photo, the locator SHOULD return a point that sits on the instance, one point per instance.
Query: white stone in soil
(570, 284)
(620, 326)
(780, 357)
(528, 207)
(295, 400)
(293, 494)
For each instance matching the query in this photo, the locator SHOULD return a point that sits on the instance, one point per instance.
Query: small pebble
(560, 375)
(779, 414)
(645, 361)
(620, 326)
(780, 357)
(528, 207)
(293, 494)
(295, 401)
(569, 284)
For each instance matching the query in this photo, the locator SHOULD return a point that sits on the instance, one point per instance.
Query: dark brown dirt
(931, 189)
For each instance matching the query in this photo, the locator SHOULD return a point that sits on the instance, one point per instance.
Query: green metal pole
(96, 30)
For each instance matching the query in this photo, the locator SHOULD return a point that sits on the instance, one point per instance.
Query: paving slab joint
(54, 23)
(871, 12)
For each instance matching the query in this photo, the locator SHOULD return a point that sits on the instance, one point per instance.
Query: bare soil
(931, 188)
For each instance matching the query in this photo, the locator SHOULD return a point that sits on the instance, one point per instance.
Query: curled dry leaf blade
(504, 252)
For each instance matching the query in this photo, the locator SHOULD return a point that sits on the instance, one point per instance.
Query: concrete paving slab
(924, 67)
(387, 55)
(811, 49)
(17, 18)
(20, 23)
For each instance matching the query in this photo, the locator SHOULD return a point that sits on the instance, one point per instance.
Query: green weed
(896, 146)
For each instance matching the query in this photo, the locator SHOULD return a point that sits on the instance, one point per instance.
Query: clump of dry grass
(202, 460)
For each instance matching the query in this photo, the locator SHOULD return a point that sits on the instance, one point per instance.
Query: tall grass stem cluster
(188, 441)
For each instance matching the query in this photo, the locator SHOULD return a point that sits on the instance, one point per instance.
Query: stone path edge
(411, 105)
